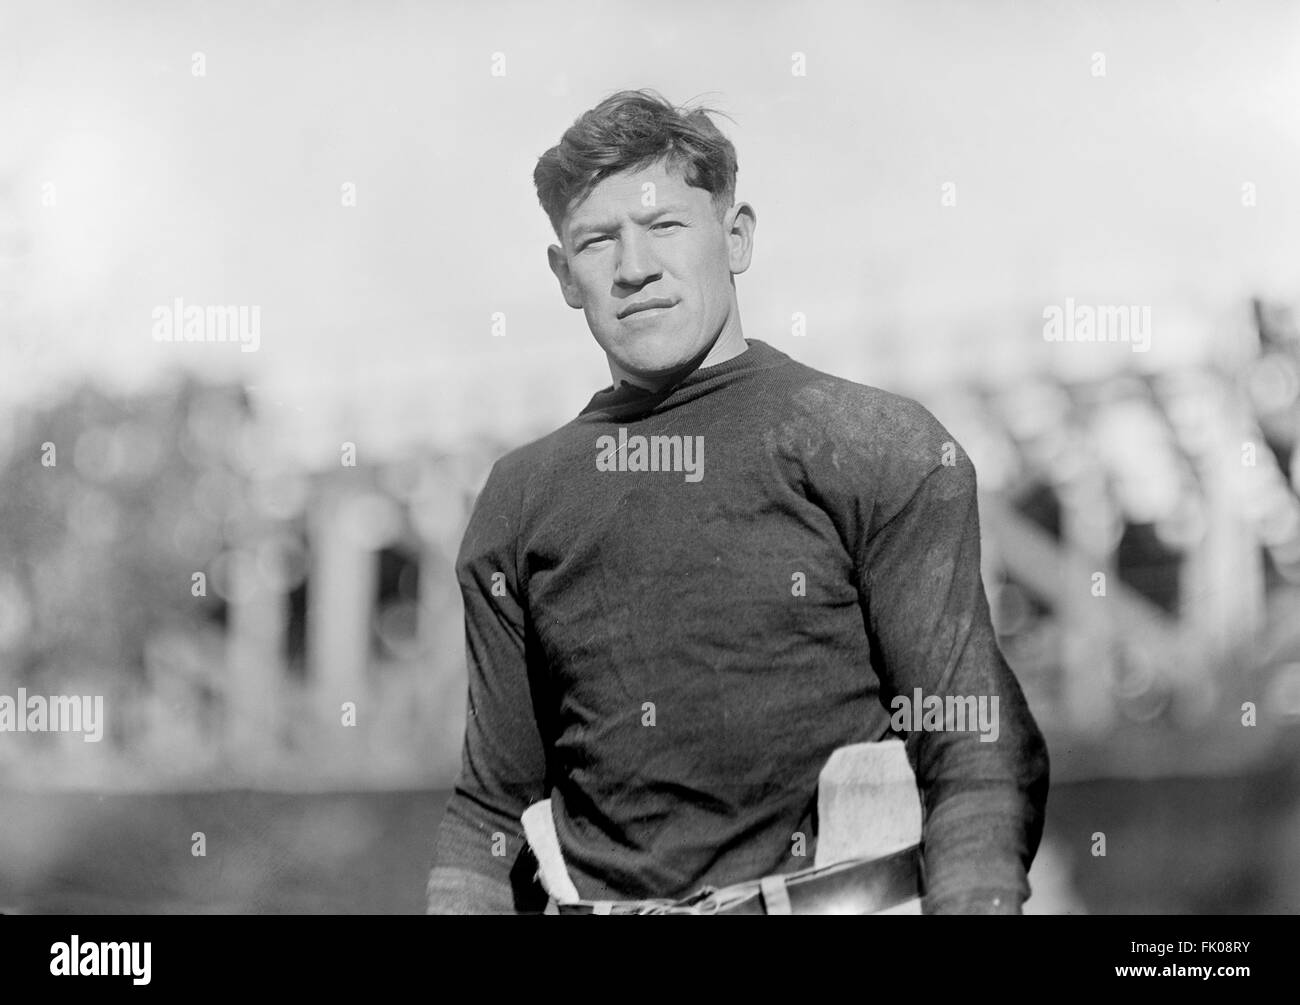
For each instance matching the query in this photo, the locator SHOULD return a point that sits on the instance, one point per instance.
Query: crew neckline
(757, 353)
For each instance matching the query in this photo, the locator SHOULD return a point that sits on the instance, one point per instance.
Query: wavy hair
(628, 131)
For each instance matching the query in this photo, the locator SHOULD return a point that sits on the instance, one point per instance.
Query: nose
(636, 262)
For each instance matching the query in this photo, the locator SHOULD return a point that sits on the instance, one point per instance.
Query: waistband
(857, 886)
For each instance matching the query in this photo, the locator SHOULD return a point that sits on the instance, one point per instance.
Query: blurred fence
(280, 624)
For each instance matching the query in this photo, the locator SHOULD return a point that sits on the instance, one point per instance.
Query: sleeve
(984, 791)
(482, 863)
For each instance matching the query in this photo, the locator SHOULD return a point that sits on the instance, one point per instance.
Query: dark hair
(628, 131)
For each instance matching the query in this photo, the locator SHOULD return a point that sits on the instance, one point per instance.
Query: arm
(482, 864)
(928, 618)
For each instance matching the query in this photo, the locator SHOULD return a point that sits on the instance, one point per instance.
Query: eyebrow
(603, 226)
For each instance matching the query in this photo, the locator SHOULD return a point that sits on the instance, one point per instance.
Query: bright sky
(1125, 188)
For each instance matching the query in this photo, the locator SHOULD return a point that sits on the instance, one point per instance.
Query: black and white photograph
(810, 458)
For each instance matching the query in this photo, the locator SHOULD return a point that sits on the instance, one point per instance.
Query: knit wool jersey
(678, 604)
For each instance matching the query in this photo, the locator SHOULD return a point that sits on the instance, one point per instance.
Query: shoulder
(497, 514)
(522, 476)
(515, 471)
(868, 451)
(894, 437)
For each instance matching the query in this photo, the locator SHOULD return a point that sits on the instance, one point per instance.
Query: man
(726, 567)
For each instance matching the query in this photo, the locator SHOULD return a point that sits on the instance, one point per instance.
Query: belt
(858, 886)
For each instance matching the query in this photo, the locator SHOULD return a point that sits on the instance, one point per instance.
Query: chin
(651, 355)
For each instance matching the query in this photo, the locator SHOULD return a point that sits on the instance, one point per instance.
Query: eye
(667, 223)
(592, 241)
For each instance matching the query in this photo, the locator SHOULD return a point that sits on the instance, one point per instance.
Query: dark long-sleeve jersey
(678, 604)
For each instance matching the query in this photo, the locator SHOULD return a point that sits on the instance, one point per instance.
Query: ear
(560, 266)
(739, 223)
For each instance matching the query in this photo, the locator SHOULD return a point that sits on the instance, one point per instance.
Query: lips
(645, 305)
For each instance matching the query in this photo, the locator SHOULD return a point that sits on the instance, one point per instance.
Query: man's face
(649, 261)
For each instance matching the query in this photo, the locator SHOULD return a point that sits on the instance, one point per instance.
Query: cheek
(713, 283)
(711, 265)
(594, 292)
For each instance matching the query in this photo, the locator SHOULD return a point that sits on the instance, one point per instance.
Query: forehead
(636, 192)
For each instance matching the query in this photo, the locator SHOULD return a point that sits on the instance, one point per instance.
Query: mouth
(658, 303)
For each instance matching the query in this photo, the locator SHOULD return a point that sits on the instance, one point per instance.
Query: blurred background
(930, 182)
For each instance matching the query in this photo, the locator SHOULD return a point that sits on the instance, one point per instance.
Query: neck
(729, 344)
